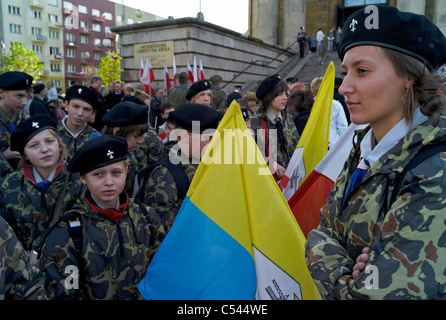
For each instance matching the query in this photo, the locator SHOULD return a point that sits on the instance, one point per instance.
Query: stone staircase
(305, 69)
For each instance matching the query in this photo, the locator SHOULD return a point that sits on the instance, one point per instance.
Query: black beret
(171, 118)
(83, 93)
(187, 113)
(267, 85)
(97, 153)
(28, 128)
(38, 88)
(15, 80)
(126, 114)
(405, 32)
(197, 87)
(232, 96)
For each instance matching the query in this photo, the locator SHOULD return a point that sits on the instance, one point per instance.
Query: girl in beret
(34, 197)
(273, 94)
(102, 249)
(200, 92)
(382, 229)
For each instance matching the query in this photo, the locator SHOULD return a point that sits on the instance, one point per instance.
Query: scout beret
(133, 99)
(197, 87)
(125, 114)
(82, 93)
(15, 80)
(187, 113)
(171, 118)
(28, 128)
(406, 32)
(267, 85)
(97, 153)
(232, 96)
(38, 88)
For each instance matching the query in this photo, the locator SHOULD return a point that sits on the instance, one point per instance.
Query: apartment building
(70, 37)
(38, 25)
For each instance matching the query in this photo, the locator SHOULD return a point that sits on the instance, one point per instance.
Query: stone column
(414, 6)
(293, 17)
(264, 20)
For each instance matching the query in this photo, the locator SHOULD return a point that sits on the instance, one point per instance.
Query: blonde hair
(198, 94)
(315, 85)
(63, 153)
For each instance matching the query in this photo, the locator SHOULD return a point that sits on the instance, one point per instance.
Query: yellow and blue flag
(235, 237)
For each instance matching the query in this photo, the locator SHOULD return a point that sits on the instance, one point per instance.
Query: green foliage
(110, 68)
(20, 58)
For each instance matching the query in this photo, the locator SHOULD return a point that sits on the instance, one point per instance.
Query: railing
(256, 63)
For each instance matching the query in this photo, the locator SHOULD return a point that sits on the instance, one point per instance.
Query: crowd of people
(92, 179)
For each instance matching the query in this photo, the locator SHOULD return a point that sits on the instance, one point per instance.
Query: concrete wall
(222, 51)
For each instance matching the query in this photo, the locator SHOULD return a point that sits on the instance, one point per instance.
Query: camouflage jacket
(137, 160)
(152, 146)
(30, 211)
(290, 134)
(218, 98)
(18, 279)
(74, 143)
(161, 192)
(5, 135)
(407, 241)
(177, 95)
(113, 258)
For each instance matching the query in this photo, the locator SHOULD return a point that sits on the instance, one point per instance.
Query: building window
(36, 31)
(37, 48)
(71, 68)
(130, 21)
(83, 24)
(84, 69)
(55, 67)
(83, 9)
(70, 53)
(54, 34)
(84, 39)
(54, 50)
(53, 3)
(97, 42)
(70, 37)
(96, 27)
(14, 10)
(97, 56)
(15, 28)
(52, 17)
(95, 12)
(36, 14)
(85, 54)
(108, 16)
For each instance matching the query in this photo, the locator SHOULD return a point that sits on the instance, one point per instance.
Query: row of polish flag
(244, 237)
(147, 77)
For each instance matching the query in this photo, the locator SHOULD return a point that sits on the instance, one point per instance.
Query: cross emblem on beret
(353, 25)
(80, 90)
(35, 125)
(110, 154)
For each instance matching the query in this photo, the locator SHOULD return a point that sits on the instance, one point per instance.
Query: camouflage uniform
(136, 161)
(18, 279)
(177, 95)
(290, 134)
(30, 211)
(407, 241)
(152, 146)
(161, 192)
(5, 135)
(113, 258)
(74, 143)
(218, 98)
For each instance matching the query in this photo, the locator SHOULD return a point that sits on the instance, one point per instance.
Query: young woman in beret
(200, 92)
(273, 94)
(35, 196)
(102, 249)
(380, 239)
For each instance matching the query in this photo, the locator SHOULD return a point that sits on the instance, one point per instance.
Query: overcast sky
(231, 14)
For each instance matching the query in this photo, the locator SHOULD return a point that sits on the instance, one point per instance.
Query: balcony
(84, 31)
(68, 43)
(37, 4)
(98, 48)
(39, 38)
(54, 25)
(98, 19)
